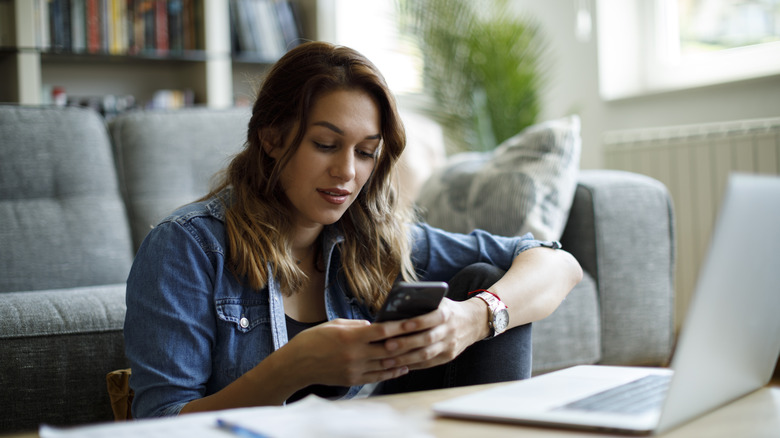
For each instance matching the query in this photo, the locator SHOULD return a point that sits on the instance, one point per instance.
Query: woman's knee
(473, 277)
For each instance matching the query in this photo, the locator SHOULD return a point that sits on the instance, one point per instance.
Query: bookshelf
(203, 62)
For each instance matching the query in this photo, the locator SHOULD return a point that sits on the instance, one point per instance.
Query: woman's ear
(270, 141)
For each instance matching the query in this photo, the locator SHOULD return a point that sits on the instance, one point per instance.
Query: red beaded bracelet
(485, 290)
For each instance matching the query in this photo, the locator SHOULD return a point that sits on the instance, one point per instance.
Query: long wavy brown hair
(376, 249)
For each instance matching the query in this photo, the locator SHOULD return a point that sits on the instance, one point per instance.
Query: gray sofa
(77, 196)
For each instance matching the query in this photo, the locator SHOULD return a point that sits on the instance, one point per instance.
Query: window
(371, 27)
(709, 26)
(648, 46)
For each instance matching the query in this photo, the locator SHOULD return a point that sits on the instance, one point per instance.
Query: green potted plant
(483, 68)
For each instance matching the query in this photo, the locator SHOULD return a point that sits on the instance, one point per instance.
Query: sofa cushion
(62, 215)
(167, 159)
(525, 185)
(56, 348)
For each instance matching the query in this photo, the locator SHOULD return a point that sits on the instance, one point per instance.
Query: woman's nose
(343, 165)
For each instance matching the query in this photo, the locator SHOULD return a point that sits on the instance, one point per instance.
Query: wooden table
(755, 415)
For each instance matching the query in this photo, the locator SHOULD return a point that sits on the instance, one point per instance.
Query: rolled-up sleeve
(438, 255)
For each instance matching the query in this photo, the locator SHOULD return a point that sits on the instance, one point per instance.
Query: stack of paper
(310, 417)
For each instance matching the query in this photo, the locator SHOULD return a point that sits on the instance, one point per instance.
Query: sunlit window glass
(371, 27)
(711, 25)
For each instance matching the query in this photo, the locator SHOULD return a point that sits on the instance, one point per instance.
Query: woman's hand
(344, 352)
(353, 352)
(341, 352)
(438, 337)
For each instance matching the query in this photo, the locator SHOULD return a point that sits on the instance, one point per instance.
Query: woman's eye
(323, 146)
(367, 155)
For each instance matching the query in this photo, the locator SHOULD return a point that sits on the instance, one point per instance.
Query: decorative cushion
(525, 185)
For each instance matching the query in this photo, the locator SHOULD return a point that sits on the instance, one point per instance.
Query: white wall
(573, 83)
(573, 88)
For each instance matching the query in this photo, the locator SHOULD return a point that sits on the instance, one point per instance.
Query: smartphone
(407, 300)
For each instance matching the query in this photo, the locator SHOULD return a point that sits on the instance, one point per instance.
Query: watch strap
(494, 306)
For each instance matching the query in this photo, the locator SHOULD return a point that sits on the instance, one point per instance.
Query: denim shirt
(192, 327)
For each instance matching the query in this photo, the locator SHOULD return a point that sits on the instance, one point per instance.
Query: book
(244, 16)
(288, 23)
(271, 41)
(129, 27)
(78, 26)
(189, 25)
(161, 37)
(43, 35)
(148, 25)
(140, 9)
(263, 29)
(92, 18)
(59, 24)
(115, 37)
(117, 27)
(105, 25)
(176, 25)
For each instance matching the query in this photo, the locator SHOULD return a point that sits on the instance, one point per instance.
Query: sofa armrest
(621, 230)
(57, 347)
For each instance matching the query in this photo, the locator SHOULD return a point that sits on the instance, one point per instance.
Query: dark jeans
(503, 358)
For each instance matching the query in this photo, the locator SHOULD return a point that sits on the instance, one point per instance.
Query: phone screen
(407, 300)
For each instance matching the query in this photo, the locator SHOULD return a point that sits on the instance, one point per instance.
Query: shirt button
(244, 323)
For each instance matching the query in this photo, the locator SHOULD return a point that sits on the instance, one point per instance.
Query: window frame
(629, 28)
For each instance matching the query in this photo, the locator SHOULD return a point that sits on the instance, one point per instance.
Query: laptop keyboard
(634, 397)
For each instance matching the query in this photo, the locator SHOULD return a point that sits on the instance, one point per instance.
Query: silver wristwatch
(498, 317)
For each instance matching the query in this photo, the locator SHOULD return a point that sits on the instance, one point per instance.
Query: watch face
(501, 321)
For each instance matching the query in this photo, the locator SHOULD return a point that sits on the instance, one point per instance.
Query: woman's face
(335, 159)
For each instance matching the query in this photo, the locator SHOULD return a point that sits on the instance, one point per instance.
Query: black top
(325, 391)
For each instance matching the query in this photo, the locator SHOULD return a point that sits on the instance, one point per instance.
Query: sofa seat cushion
(57, 346)
(525, 185)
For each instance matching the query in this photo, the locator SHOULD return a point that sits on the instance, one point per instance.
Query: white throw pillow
(525, 185)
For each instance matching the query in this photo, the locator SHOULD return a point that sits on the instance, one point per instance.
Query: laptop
(728, 346)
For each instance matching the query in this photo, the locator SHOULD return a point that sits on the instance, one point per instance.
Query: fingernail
(410, 325)
(391, 345)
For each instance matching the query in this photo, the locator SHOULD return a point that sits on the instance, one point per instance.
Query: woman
(262, 292)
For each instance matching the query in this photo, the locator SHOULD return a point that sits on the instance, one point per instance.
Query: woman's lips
(334, 196)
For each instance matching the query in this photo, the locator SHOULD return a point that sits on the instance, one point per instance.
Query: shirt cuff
(527, 242)
(173, 410)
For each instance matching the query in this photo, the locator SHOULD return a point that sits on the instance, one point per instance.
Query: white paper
(310, 417)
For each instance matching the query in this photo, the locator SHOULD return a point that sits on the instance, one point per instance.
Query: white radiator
(694, 162)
